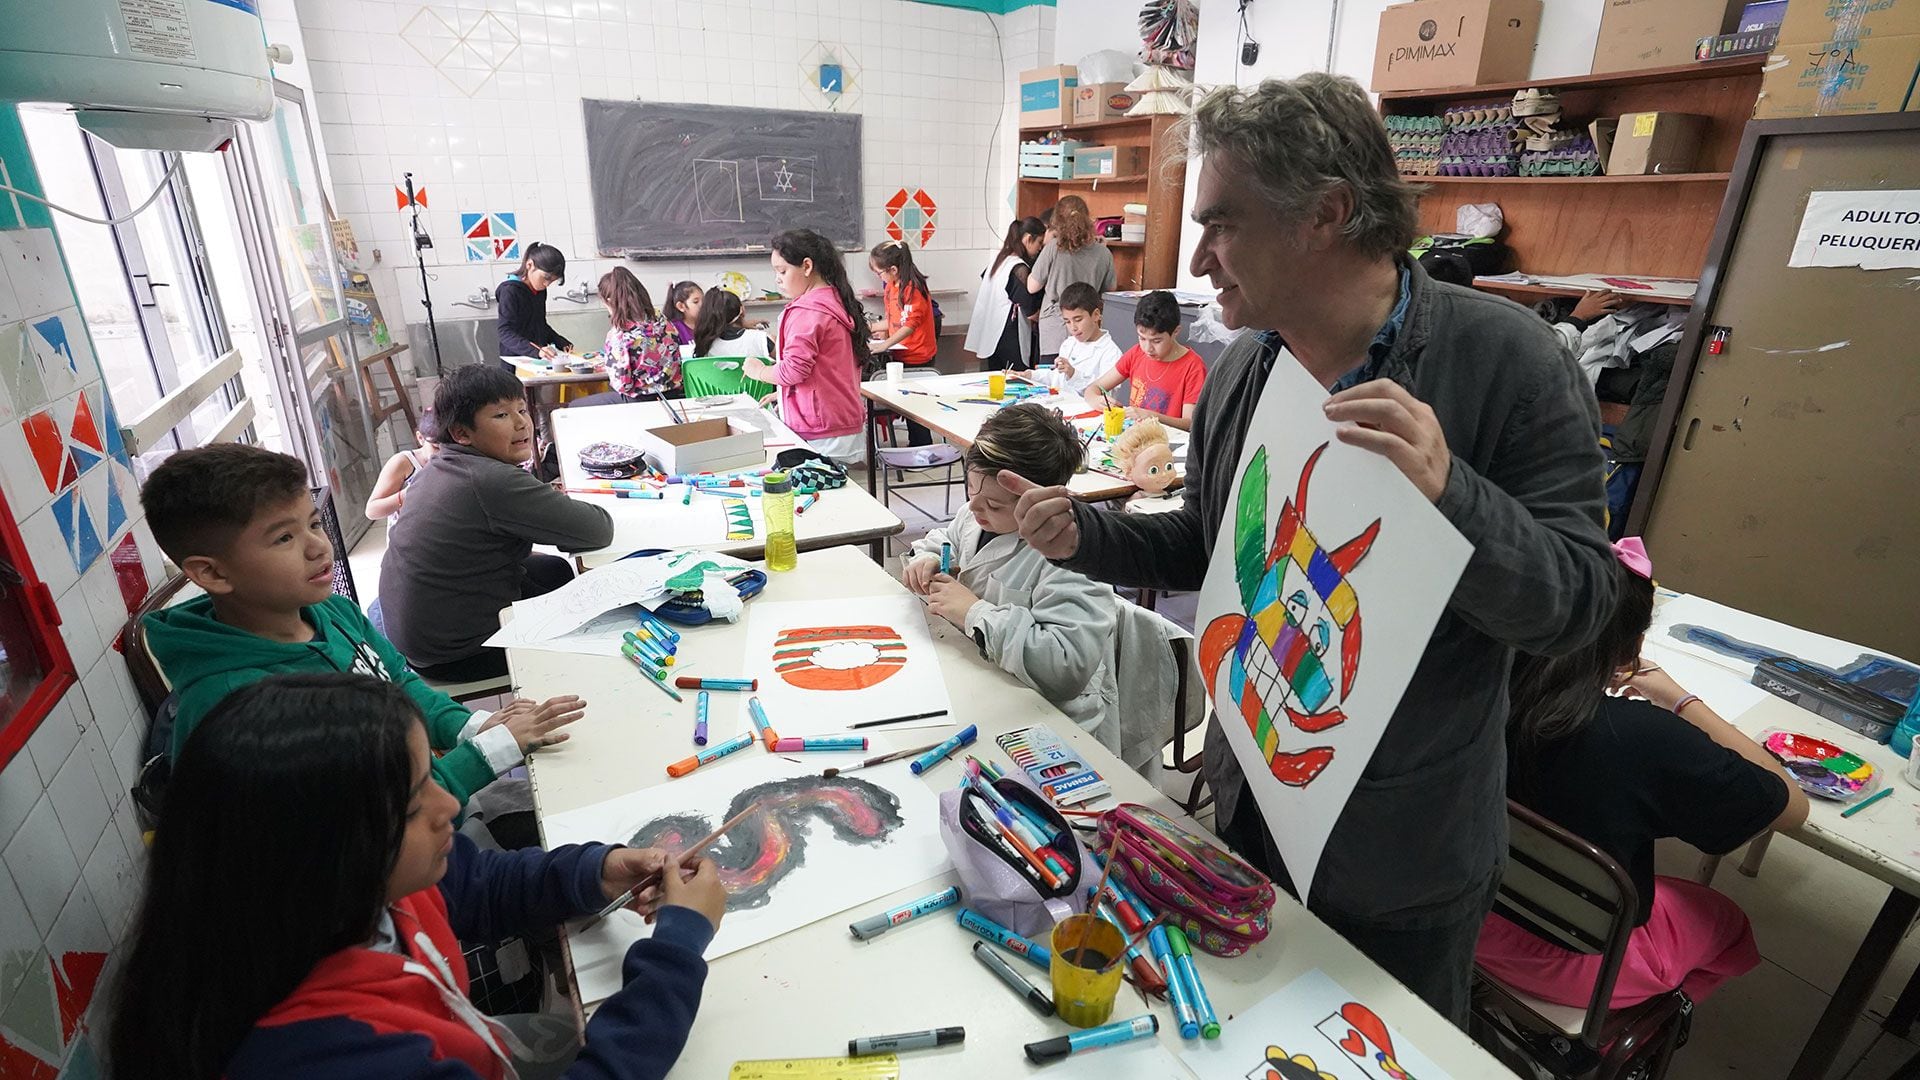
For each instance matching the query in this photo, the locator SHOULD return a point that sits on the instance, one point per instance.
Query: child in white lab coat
(1049, 627)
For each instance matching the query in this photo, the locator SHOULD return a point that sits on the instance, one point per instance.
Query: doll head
(1145, 456)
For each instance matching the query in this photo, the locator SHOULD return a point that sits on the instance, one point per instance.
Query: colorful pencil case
(1222, 904)
(998, 882)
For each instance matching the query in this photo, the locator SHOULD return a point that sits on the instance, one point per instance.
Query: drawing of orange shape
(838, 657)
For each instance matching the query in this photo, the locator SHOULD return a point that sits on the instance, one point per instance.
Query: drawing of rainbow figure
(739, 521)
(1296, 649)
(838, 657)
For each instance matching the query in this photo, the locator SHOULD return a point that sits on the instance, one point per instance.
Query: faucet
(578, 294)
(481, 299)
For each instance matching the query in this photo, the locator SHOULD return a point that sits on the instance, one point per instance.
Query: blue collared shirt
(1369, 369)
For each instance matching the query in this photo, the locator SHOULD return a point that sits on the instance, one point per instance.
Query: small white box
(713, 445)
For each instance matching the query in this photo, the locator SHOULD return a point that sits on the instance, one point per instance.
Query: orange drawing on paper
(838, 657)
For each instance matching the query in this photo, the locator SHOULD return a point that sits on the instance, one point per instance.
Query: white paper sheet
(847, 842)
(1305, 699)
(1317, 1026)
(883, 665)
(1874, 230)
(606, 588)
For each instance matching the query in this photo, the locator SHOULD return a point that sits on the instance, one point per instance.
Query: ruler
(874, 1067)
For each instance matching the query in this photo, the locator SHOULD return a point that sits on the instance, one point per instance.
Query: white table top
(846, 515)
(960, 424)
(1882, 840)
(805, 993)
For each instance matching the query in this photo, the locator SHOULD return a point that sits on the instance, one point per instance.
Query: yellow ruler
(876, 1067)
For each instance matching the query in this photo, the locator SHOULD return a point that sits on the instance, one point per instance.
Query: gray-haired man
(1305, 225)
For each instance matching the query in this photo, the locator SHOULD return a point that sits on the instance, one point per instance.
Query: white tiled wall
(495, 123)
(70, 845)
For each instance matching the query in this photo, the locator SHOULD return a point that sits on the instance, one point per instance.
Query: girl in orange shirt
(909, 322)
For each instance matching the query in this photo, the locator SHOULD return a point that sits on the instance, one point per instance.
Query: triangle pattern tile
(129, 572)
(84, 431)
(74, 983)
(18, 1064)
(84, 1062)
(49, 449)
(63, 505)
(86, 542)
(116, 508)
(84, 459)
(110, 431)
(31, 1016)
(53, 332)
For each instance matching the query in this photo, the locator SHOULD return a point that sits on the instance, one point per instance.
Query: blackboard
(717, 180)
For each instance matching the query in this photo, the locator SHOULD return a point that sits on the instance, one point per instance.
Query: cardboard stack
(1429, 44)
(1637, 34)
(1843, 57)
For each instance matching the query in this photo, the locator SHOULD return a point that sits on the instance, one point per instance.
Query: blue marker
(1035, 954)
(1177, 991)
(873, 926)
(1048, 1051)
(710, 754)
(761, 724)
(700, 720)
(649, 648)
(653, 623)
(1183, 957)
(946, 558)
(945, 750)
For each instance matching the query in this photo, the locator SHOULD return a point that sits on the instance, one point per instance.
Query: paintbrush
(1080, 949)
(649, 881)
(1138, 936)
(881, 760)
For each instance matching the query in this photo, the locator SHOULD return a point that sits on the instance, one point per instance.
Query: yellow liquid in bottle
(777, 507)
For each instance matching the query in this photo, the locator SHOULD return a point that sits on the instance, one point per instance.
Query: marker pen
(645, 663)
(945, 750)
(912, 1040)
(655, 624)
(710, 754)
(874, 925)
(1144, 971)
(795, 744)
(690, 682)
(1015, 981)
(1048, 1051)
(700, 720)
(1183, 957)
(647, 646)
(761, 724)
(1005, 938)
(946, 558)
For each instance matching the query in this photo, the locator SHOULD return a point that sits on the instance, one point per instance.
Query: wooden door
(1791, 483)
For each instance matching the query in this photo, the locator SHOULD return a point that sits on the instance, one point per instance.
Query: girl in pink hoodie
(821, 354)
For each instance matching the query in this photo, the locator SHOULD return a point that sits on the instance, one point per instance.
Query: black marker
(911, 1040)
(1015, 981)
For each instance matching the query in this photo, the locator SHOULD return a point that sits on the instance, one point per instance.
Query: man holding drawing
(1305, 228)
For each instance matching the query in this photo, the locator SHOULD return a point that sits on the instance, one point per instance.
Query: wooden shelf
(1125, 243)
(1098, 125)
(1670, 178)
(1135, 178)
(1746, 65)
(1555, 290)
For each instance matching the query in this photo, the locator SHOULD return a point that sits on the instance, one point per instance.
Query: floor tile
(1729, 1042)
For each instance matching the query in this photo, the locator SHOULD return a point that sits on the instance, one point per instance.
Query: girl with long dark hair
(723, 331)
(1004, 330)
(909, 319)
(523, 304)
(683, 309)
(821, 344)
(642, 353)
(1073, 254)
(306, 895)
(1622, 772)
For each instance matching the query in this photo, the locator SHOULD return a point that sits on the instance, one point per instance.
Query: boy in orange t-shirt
(1163, 376)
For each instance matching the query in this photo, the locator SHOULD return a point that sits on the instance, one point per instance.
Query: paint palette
(1819, 767)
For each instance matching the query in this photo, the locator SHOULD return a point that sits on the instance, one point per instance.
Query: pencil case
(1222, 904)
(996, 881)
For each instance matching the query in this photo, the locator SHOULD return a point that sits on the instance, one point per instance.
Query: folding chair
(1576, 895)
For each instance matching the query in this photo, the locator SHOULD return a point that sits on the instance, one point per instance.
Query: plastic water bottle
(1906, 729)
(777, 507)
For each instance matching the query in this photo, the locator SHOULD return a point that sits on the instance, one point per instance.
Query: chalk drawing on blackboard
(785, 179)
(717, 186)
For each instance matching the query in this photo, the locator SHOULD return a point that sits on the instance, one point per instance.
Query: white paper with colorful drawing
(1310, 1029)
(644, 581)
(815, 847)
(826, 664)
(1319, 534)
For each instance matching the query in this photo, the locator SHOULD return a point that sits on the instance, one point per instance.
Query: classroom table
(805, 993)
(548, 389)
(949, 406)
(1882, 840)
(846, 515)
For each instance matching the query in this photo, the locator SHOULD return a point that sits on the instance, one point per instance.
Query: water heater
(143, 74)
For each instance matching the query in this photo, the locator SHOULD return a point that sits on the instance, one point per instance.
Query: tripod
(421, 242)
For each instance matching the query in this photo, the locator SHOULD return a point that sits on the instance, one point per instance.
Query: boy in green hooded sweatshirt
(239, 522)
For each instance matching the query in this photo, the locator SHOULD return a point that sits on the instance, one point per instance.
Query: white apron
(991, 307)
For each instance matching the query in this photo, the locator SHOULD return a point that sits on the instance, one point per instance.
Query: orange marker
(712, 753)
(760, 723)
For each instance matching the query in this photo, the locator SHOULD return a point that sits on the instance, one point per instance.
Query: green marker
(1183, 962)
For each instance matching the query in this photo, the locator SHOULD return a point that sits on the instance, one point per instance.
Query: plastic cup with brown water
(1082, 946)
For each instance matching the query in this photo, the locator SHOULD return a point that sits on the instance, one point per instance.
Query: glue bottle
(776, 505)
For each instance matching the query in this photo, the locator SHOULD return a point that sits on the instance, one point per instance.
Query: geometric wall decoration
(31, 1015)
(490, 236)
(76, 527)
(20, 383)
(83, 436)
(49, 450)
(468, 57)
(830, 76)
(910, 216)
(74, 983)
(128, 572)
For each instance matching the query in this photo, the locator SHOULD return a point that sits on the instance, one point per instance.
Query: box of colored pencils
(1054, 767)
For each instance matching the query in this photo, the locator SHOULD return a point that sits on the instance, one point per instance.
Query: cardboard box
(1428, 44)
(1048, 161)
(1761, 15)
(1656, 143)
(1843, 57)
(1109, 161)
(1095, 102)
(1602, 132)
(1046, 96)
(705, 446)
(1638, 34)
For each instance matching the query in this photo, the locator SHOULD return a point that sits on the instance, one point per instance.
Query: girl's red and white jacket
(369, 1014)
